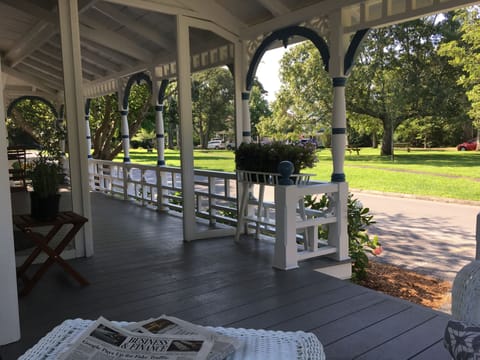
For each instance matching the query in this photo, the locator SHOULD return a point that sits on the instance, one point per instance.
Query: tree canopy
(398, 78)
(464, 54)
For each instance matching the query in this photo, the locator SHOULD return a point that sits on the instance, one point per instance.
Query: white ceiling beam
(40, 33)
(32, 80)
(275, 7)
(99, 34)
(35, 38)
(135, 26)
(295, 17)
(210, 10)
(49, 80)
(110, 55)
(164, 7)
(47, 59)
(40, 67)
(95, 59)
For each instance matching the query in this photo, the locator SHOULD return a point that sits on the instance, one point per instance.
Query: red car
(468, 145)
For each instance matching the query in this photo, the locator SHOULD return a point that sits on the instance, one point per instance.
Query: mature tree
(400, 77)
(259, 107)
(464, 54)
(212, 102)
(33, 123)
(105, 120)
(397, 77)
(303, 103)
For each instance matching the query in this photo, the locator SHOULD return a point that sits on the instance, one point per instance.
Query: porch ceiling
(120, 37)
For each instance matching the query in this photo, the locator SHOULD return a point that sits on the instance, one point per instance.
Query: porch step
(339, 269)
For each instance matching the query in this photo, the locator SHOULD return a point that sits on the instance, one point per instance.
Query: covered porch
(142, 268)
(70, 51)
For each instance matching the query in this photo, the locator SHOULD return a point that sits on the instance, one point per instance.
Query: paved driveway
(432, 237)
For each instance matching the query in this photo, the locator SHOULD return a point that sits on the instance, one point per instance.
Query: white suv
(216, 144)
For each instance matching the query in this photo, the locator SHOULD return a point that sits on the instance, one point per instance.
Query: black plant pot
(44, 209)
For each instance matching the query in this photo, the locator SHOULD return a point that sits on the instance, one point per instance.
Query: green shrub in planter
(266, 157)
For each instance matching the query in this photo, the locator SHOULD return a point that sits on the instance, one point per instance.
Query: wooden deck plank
(409, 343)
(142, 268)
(376, 337)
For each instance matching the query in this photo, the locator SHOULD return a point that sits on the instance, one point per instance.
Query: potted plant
(46, 176)
(265, 158)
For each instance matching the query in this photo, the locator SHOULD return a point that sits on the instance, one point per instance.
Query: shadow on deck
(142, 268)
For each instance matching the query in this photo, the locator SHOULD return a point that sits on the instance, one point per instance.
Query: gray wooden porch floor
(142, 268)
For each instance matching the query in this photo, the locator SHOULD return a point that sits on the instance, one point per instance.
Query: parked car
(467, 145)
(216, 144)
(230, 145)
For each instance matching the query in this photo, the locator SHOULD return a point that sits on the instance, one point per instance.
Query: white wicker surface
(258, 344)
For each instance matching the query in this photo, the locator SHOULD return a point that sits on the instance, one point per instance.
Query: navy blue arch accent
(125, 136)
(245, 95)
(89, 156)
(160, 162)
(89, 137)
(62, 112)
(338, 177)
(283, 35)
(353, 49)
(135, 79)
(162, 90)
(123, 112)
(246, 133)
(160, 136)
(126, 159)
(339, 131)
(87, 107)
(339, 81)
(158, 107)
(32, 98)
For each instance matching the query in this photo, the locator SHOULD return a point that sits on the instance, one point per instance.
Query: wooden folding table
(26, 224)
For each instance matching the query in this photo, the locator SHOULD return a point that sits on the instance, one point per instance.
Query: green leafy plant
(46, 176)
(266, 157)
(360, 243)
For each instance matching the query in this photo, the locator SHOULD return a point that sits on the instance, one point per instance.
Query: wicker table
(258, 344)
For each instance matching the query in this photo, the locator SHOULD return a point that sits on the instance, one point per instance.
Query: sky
(267, 71)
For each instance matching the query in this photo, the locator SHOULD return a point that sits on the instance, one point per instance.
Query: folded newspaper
(165, 338)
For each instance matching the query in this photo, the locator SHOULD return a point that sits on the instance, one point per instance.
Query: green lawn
(439, 173)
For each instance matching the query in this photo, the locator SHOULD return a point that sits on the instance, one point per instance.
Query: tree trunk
(374, 140)
(387, 138)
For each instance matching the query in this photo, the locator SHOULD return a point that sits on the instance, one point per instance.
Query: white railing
(268, 209)
(160, 188)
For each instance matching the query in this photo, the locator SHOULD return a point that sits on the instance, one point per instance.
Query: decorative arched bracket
(353, 50)
(162, 90)
(283, 35)
(32, 98)
(135, 79)
(87, 106)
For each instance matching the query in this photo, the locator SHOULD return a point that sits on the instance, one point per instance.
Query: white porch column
(339, 235)
(247, 126)
(186, 127)
(240, 73)
(74, 104)
(9, 317)
(339, 121)
(61, 127)
(160, 134)
(87, 126)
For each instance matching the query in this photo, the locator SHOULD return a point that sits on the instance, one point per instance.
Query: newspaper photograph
(222, 345)
(104, 340)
